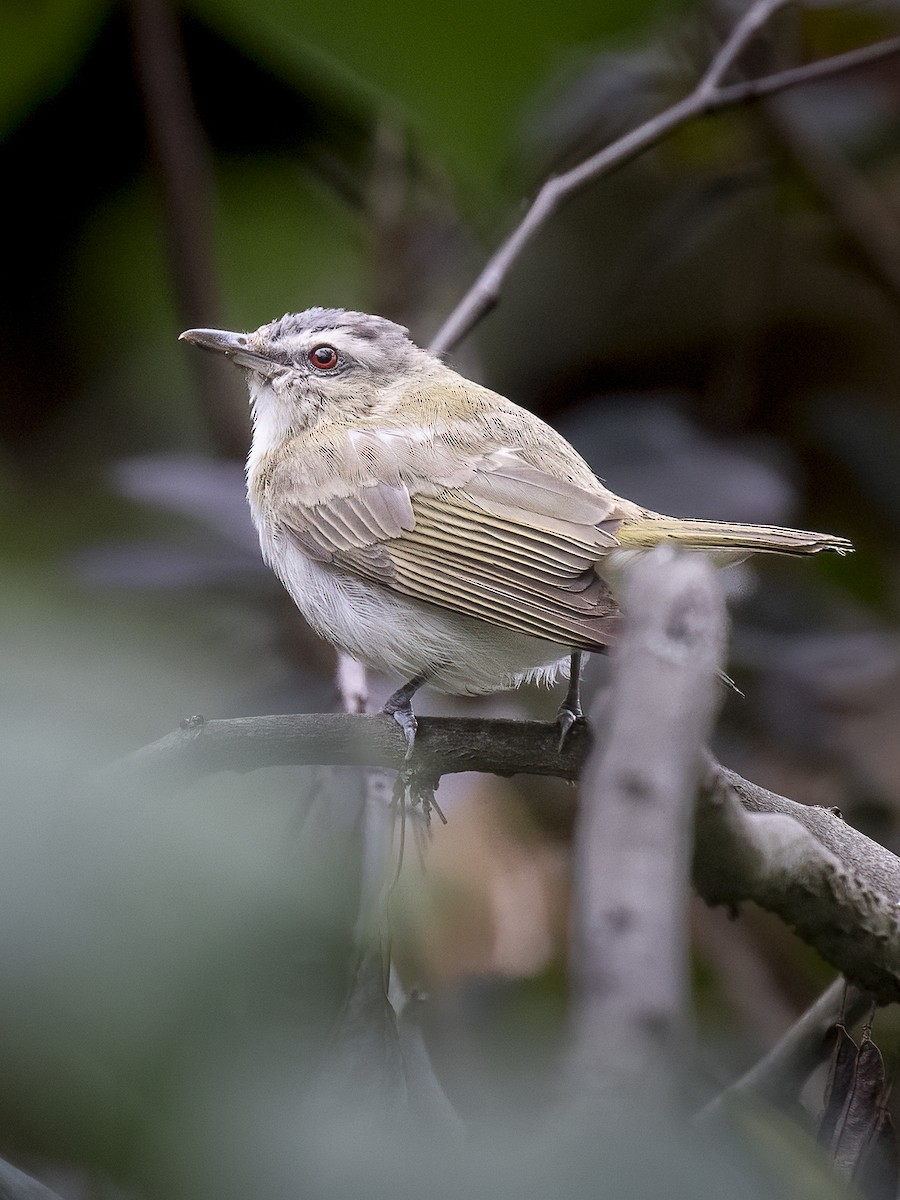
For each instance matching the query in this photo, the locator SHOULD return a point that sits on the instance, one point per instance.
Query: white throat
(277, 411)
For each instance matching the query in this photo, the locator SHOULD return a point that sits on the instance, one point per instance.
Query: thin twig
(709, 96)
(824, 68)
(756, 16)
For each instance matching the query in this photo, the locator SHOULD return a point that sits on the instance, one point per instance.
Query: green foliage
(457, 77)
(43, 43)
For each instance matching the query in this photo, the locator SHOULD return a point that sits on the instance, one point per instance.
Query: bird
(432, 528)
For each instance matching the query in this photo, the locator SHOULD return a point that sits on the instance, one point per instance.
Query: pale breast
(402, 637)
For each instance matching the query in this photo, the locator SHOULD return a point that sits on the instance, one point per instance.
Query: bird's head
(323, 359)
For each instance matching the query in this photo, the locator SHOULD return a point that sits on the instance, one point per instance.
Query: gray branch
(449, 744)
(838, 889)
(634, 832)
(710, 95)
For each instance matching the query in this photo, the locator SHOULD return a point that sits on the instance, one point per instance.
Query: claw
(566, 718)
(570, 710)
(406, 719)
(399, 706)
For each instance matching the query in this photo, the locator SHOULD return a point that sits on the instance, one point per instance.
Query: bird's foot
(567, 717)
(399, 706)
(406, 719)
(570, 711)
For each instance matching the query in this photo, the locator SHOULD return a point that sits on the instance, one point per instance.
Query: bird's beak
(235, 346)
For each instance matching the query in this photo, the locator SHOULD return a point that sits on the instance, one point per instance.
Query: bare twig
(825, 68)
(778, 1076)
(758, 14)
(710, 95)
(633, 837)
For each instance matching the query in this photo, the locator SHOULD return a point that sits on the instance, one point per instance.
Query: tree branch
(835, 886)
(709, 96)
(449, 744)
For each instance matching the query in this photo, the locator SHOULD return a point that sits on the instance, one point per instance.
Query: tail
(650, 529)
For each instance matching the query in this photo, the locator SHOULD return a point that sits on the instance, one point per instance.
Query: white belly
(405, 637)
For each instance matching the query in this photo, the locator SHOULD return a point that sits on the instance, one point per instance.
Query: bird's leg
(570, 710)
(399, 706)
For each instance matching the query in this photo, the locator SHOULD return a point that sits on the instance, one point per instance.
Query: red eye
(323, 357)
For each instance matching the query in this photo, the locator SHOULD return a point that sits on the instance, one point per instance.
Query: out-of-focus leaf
(426, 1093)
(794, 1165)
(379, 1060)
(152, 566)
(208, 491)
(43, 42)
(461, 74)
(364, 1063)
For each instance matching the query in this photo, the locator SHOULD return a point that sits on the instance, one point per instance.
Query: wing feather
(505, 541)
(517, 486)
(503, 604)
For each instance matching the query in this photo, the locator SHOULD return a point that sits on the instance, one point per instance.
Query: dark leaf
(862, 1112)
(840, 1081)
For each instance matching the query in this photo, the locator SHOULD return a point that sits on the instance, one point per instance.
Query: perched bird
(430, 527)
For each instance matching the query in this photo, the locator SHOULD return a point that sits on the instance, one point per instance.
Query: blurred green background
(716, 327)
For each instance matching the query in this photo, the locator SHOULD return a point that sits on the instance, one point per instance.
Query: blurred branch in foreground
(633, 837)
(710, 95)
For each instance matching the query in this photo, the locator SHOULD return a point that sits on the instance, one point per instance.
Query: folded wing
(491, 536)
